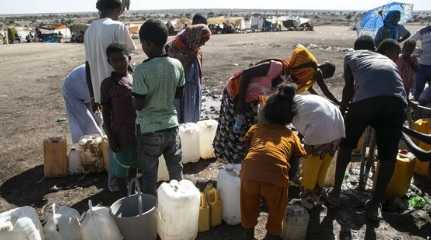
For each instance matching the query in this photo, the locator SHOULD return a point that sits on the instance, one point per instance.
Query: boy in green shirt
(157, 82)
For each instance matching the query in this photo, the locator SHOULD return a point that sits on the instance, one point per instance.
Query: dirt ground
(32, 109)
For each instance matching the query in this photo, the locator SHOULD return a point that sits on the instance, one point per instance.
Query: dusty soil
(32, 108)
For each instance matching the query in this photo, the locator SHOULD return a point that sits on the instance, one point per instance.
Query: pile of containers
(211, 209)
(197, 139)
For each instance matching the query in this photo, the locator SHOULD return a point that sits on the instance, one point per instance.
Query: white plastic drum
(178, 210)
(229, 185)
(207, 133)
(189, 134)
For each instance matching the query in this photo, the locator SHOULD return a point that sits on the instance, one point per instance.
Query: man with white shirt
(102, 33)
(423, 74)
(98, 37)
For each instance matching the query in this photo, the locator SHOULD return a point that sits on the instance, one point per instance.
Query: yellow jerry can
(403, 173)
(204, 215)
(423, 167)
(55, 163)
(216, 206)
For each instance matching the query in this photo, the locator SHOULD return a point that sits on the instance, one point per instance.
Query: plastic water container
(296, 221)
(204, 214)
(92, 159)
(55, 162)
(105, 153)
(135, 214)
(403, 173)
(207, 133)
(98, 224)
(62, 224)
(163, 174)
(75, 166)
(423, 167)
(178, 210)
(21, 224)
(189, 134)
(229, 185)
(215, 204)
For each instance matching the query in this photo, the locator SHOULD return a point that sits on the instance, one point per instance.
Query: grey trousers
(153, 145)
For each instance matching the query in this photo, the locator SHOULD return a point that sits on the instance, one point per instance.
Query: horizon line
(194, 9)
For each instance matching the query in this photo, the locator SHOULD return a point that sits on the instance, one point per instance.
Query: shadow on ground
(31, 187)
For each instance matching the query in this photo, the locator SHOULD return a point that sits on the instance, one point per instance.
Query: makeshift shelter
(54, 33)
(372, 20)
(22, 33)
(3, 37)
(297, 24)
(226, 25)
(256, 22)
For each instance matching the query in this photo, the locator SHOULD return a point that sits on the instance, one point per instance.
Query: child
(118, 114)
(407, 64)
(264, 173)
(157, 82)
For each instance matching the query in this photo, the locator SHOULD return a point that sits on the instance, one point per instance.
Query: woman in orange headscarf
(186, 47)
(246, 89)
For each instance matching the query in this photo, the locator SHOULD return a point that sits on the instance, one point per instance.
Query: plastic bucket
(135, 215)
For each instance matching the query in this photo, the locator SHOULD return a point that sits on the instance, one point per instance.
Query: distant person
(391, 29)
(119, 115)
(247, 89)
(408, 64)
(373, 96)
(78, 105)
(158, 81)
(186, 47)
(99, 35)
(272, 146)
(423, 74)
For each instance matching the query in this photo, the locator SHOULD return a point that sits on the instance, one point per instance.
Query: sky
(55, 6)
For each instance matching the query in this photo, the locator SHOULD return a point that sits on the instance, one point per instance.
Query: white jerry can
(207, 133)
(229, 185)
(189, 134)
(178, 210)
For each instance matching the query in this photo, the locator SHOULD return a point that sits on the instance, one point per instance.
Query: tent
(372, 20)
(51, 33)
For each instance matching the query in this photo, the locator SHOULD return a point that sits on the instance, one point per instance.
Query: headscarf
(186, 45)
(302, 66)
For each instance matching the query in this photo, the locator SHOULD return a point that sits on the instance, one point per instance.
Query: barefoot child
(119, 115)
(157, 82)
(264, 173)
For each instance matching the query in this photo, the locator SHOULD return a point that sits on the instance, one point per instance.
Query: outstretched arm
(348, 89)
(325, 89)
(90, 86)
